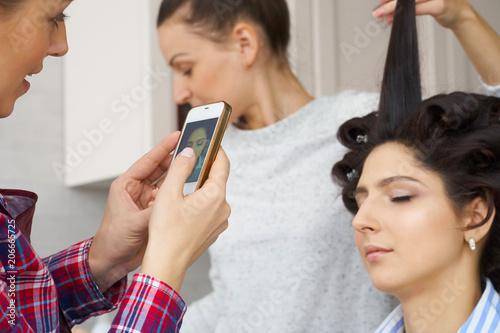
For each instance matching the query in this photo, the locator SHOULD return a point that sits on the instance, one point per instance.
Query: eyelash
(188, 72)
(401, 199)
(59, 18)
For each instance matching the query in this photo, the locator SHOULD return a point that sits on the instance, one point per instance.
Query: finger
(160, 171)
(220, 169)
(154, 193)
(425, 7)
(156, 157)
(181, 168)
(387, 8)
(223, 227)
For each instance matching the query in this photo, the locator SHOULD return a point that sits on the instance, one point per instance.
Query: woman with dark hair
(141, 225)
(273, 271)
(423, 179)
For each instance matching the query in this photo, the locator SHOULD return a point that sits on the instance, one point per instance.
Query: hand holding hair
(479, 40)
(448, 13)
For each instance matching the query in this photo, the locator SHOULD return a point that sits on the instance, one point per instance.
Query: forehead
(175, 36)
(393, 160)
(390, 158)
(37, 7)
(197, 133)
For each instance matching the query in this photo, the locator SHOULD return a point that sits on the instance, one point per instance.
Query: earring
(472, 244)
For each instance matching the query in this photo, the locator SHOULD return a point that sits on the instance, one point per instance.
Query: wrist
(168, 269)
(467, 16)
(104, 274)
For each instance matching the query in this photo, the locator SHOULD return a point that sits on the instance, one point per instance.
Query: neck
(441, 306)
(277, 94)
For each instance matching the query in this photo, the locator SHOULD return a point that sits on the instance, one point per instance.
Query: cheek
(216, 78)
(428, 235)
(31, 54)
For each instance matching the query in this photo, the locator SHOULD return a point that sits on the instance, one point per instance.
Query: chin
(385, 283)
(6, 109)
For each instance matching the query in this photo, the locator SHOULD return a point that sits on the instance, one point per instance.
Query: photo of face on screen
(198, 135)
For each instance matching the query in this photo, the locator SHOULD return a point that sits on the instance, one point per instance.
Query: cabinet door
(117, 89)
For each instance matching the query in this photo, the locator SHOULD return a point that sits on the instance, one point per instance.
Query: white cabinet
(118, 100)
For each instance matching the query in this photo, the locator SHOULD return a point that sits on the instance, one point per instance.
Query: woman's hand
(183, 227)
(479, 40)
(448, 13)
(119, 244)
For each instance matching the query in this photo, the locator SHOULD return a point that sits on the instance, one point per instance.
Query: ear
(247, 41)
(475, 213)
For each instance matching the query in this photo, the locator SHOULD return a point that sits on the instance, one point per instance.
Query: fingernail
(187, 152)
(379, 12)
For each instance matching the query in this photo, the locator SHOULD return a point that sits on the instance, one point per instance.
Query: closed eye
(401, 199)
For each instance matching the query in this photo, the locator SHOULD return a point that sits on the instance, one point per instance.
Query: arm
(10, 320)
(120, 242)
(180, 230)
(480, 42)
(78, 294)
(149, 305)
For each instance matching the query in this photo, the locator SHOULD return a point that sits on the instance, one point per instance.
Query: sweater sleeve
(78, 294)
(203, 315)
(149, 305)
(491, 90)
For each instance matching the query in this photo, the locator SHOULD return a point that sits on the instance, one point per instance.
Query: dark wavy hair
(216, 19)
(456, 136)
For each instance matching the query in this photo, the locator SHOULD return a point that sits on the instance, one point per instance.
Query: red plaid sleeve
(150, 305)
(78, 294)
(10, 320)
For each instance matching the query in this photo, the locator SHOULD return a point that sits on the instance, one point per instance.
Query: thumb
(179, 172)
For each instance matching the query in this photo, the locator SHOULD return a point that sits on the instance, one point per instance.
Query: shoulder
(336, 109)
(350, 103)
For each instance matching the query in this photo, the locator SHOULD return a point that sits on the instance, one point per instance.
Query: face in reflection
(198, 141)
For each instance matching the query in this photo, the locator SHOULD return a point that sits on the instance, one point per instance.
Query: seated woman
(423, 179)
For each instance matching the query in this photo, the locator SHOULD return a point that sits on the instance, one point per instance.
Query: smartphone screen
(198, 135)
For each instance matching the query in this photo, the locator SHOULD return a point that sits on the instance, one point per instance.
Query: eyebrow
(387, 181)
(171, 62)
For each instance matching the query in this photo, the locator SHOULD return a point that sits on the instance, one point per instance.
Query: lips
(373, 252)
(26, 84)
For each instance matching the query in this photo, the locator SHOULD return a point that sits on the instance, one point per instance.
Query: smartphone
(203, 131)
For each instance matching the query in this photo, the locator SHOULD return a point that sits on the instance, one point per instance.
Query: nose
(366, 219)
(182, 93)
(58, 43)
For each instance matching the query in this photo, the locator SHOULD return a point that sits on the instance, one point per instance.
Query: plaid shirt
(34, 292)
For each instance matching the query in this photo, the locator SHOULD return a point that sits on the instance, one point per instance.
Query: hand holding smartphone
(203, 131)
